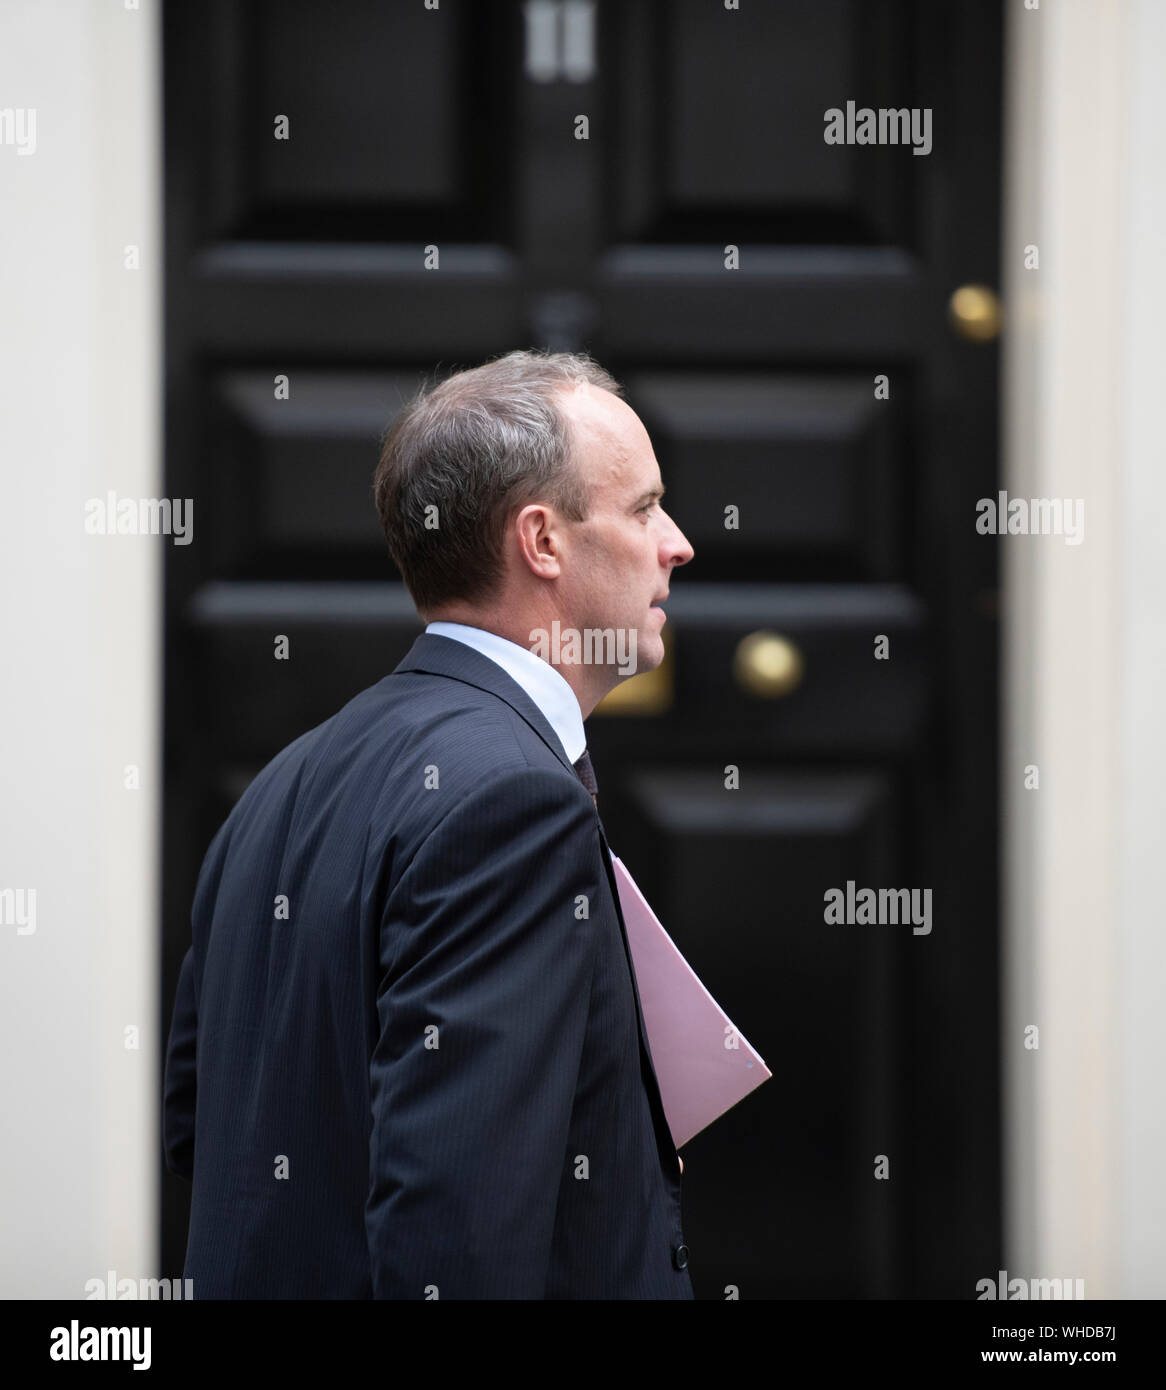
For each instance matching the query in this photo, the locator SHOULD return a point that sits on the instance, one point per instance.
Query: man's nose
(679, 550)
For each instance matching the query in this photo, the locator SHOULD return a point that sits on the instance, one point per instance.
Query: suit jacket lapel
(445, 656)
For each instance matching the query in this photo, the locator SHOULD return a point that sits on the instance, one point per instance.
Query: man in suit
(407, 1058)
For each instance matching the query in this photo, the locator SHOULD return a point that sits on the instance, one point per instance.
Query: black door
(360, 193)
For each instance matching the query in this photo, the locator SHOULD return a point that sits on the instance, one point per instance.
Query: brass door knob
(974, 312)
(768, 664)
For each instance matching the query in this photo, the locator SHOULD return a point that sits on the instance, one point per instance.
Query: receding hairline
(517, 400)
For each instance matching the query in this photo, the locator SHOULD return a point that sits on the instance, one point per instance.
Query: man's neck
(588, 683)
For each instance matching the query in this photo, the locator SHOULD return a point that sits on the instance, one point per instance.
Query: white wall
(1085, 652)
(79, 630)
(1140, 915)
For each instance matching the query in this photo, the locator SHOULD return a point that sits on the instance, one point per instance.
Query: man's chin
(649, 651)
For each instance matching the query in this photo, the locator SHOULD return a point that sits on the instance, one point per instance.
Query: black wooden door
(360, 192)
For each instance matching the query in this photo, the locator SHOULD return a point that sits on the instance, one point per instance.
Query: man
(407, 1057)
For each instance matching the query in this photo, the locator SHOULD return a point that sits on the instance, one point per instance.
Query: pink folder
(703, 1064)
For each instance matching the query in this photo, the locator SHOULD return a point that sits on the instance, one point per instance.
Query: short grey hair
(463, 456)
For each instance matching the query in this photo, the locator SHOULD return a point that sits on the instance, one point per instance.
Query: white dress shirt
(549, 691)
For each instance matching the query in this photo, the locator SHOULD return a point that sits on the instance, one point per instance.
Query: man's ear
(535, 528)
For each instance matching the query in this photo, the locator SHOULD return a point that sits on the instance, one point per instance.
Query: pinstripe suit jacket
(407, 1058)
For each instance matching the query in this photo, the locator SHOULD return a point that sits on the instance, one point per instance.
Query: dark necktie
(586, 773)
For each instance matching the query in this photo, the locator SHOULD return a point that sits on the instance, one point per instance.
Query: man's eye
(648, 508)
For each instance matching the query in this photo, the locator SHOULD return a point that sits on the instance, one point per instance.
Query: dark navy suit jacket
(407, 1058)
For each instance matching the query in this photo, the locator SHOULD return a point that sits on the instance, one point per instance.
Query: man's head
(525, 492)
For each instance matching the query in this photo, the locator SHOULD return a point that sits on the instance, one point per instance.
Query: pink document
(703, 1064)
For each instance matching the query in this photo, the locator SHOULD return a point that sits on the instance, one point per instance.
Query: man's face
(620, 559)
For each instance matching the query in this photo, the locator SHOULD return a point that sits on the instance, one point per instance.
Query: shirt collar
(546, 687)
